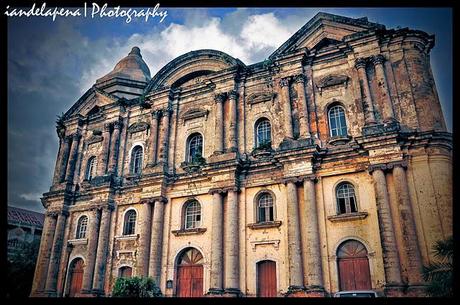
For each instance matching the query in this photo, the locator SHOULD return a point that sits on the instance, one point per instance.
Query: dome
(132, 67)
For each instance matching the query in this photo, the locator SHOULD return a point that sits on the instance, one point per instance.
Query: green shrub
(136, 287)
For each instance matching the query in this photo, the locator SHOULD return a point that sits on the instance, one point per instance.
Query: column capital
(294, 180)
(167, 111)
(156, 114)
(52, 214)
(378, 59)
(107, 127)
(117, 124)
(161, 199)
(220, 97)
(216, 191)
(233, 94)
(231, 188)
(61, 133)
(360, 63)
(300, 78)
(309, 178)
(68, 138)
(387, 166)
(285, 81)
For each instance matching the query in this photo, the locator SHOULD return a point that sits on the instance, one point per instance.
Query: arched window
(125, 272)
(192, 214)
(90, 168)
(194, 147)
(263, 133)
(265, 208)
(81, 227)
(129, 227)
(346, 199)
(136, 160)
(337, 121)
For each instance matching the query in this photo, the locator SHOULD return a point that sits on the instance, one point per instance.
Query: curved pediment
(195, 113)
(191, 65)
(332, 80)
(138, 126)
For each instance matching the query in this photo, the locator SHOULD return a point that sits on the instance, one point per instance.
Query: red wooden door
(76, 277)
(353, 266)
(266, 279)
(190, 274)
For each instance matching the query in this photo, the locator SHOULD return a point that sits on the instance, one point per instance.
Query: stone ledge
(188, 231)
(265, 224)
(347, 217)
(80, 241)
(127, 237)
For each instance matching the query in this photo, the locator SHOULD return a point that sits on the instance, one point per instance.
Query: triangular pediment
(91, 102)
(324, 29)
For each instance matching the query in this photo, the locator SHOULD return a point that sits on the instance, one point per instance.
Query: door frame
(66, 289)
(176, 262)
(277, 272)
(370, 258)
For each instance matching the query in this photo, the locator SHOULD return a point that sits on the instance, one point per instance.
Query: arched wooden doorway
(266, 279)
(75, 276)
(190, 274)
(353, 266)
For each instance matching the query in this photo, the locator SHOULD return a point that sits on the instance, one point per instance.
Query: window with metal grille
(263, 133)
(136, 160)
(81, 227)
(265, 208)
(91, 168)
(337, 121)
(346, 199)
(192, 214)
(130, 223)
(195, 147)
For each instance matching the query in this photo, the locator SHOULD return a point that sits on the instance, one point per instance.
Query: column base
(316, 292)
(50, 293)
(215, 292)
(38, 294)
(296, 292)
(394, 290)
(289, 143)
(98, 292)
(374, 129)
(417, 290)
(232, 293)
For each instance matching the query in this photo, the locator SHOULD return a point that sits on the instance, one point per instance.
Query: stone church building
(326, 167)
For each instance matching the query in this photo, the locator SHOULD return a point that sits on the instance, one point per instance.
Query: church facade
(326, 167)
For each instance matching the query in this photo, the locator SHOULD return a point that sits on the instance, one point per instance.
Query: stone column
(46, 244)
(219, 99)
(57, 167)
(310, 229)
(231, 258)
(303, 115)
(388, 113)
(156, 243)
(294, 241)
(412, 250)
(163, 153)
(53, 269)
(391, 262)
(286, 102)
(360, 65)
(102, 163)
(102, 250)
(73, 157)
(233, 143)
(154, 137)
(145, 225)
(91, 252)
(217, 244)
(64, 157)
(114, 146)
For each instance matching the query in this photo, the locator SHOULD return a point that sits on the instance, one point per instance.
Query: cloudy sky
(51, 64)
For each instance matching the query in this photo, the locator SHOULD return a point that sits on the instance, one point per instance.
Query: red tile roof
(23, 216)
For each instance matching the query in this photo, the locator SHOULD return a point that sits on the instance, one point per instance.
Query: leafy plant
(21, 268)
(439, 274)
(136, 287)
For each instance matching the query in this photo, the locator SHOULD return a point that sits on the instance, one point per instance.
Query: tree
(136, 287)
(21, 268)
(439, 274)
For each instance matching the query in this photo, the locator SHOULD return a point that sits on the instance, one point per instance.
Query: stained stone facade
(338, 136)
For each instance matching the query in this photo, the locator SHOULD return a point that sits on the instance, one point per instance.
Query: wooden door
(190, 274)
(266, 279)
(76, 277)
(353, 266)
